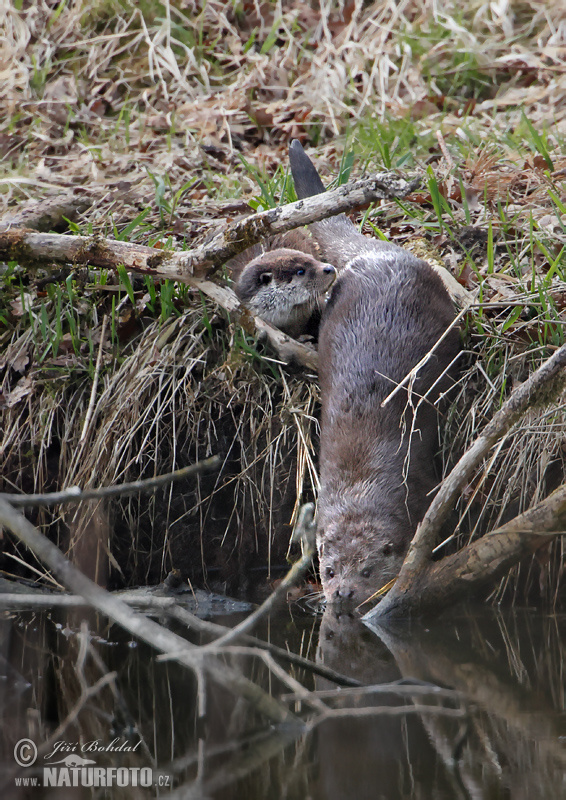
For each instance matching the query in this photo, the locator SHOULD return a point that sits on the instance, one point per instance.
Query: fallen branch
(440, 583)
(138, 624)
(542, 386)
(174, 608)
(76, 495)
(43, 249)
(403, 686)
(414, 589)
(48, 249)
(40, 248)
(46, 214)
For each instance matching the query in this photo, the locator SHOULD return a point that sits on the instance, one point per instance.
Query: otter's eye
(365, 573)
(301, 271)
(387, 549)
(265, 278)
(329, 572)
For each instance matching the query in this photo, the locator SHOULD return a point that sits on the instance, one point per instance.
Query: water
(475, 708)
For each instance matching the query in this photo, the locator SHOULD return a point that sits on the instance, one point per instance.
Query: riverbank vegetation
(161, 123)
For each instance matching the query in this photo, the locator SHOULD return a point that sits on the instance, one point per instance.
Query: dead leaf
(159, 122)
(23, 388)
(66, 344)
(99, 107)
(58, 96)
(422, 109)
(20, 363)
(129, 325)
(540, 162)
(21, 304)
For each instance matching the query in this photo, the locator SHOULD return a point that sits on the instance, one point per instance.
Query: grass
(170, 123)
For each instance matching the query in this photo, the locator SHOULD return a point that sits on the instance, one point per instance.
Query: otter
(387, 309)
(283, 282)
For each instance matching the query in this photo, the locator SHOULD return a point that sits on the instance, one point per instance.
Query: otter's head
(358, 555)
(284, 287)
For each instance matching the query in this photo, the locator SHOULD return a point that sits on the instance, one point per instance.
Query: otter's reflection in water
(469, 706)
(497, 732)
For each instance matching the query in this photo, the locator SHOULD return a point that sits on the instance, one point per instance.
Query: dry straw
(129, 104)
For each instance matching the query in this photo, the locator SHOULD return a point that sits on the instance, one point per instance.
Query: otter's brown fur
(386, 311)
(297, 239)
(284, 285)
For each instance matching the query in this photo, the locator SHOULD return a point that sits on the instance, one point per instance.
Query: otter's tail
(339, 239)
(306, 178)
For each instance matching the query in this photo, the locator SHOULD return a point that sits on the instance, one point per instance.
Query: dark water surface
(496, 728)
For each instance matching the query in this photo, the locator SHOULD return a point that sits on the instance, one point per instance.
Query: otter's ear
(265, 278)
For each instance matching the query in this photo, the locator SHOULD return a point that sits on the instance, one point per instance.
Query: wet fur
(386, 311)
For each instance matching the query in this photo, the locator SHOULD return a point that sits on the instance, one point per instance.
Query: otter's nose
(329, 269)
(344, 593)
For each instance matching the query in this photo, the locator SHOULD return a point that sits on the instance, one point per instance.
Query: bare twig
(91, 404)
(138, 624)
(541, 382)
(305, 533)
(173, 607)
(402, 687)
(299, 691)
(412, 374)
(386, 711)
(76, 495)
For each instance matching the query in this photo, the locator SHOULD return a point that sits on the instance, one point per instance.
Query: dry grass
(105, 92)
(175, 112)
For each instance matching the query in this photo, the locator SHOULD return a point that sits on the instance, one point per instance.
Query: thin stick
(387, 711)
(138, 624)
(91, 403)
(76, 495)
(410, 375)
(305, 532)
(172, 606)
